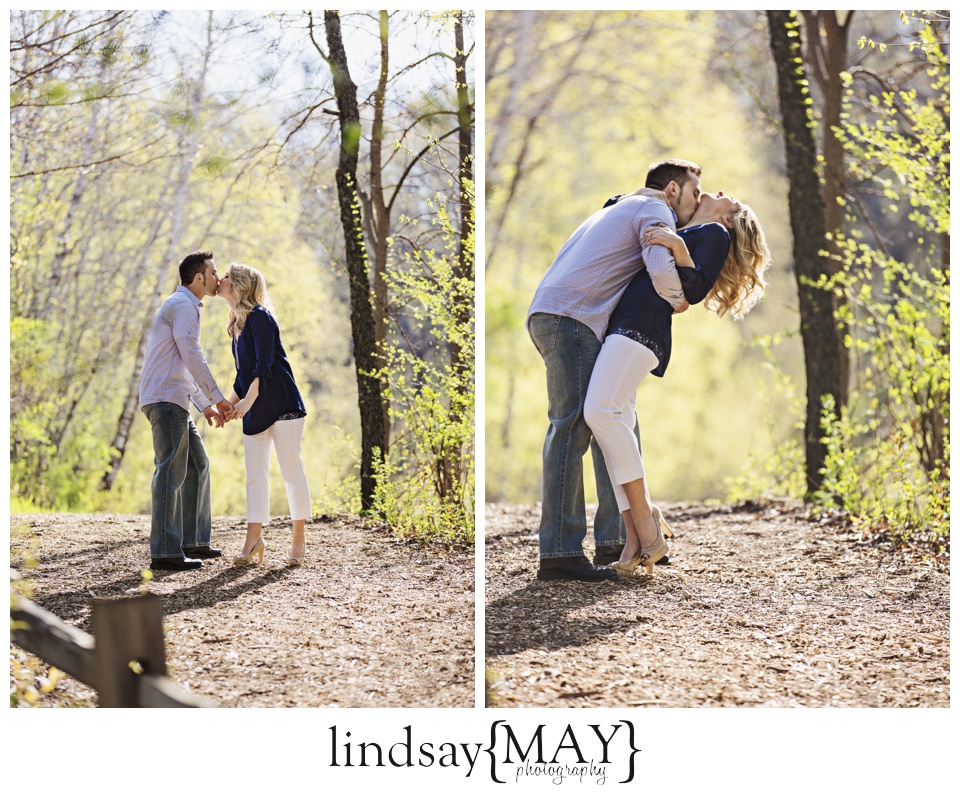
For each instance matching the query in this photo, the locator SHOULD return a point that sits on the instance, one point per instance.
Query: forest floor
(761, 606)
(366, 621)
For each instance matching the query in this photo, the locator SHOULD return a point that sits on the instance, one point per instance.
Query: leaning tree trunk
(534, 113)
(369, 394)
(818, 327)
(188, 147)
(66, 241)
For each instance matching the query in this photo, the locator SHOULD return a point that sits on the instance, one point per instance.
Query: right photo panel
(717, 359)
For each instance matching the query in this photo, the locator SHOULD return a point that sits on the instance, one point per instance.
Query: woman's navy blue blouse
(643, 311)
(259, 353)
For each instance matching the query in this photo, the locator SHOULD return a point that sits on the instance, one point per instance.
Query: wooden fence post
(126, 630)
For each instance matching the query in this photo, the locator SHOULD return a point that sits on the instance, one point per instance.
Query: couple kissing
(601, 320)
(265, 398)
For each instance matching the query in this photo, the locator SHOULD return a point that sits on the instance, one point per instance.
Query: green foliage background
(889, 448)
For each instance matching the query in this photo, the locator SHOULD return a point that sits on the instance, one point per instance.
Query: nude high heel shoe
(647, 555)
(662, 523)
(650, 554)
(626, 567)
(256, 551)
(297, 560)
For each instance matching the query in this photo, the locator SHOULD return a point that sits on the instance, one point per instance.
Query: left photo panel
(242, 359)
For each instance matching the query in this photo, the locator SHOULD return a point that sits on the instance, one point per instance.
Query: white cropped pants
(287, 437)
(610, 409)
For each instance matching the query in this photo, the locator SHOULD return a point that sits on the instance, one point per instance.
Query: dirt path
(367, 621)
(761, 607)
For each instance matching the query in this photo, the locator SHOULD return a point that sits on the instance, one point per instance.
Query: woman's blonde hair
(250, 290)
(741, 282)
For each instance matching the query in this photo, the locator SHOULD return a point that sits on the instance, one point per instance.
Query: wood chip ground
(762, 606)
(367, 621)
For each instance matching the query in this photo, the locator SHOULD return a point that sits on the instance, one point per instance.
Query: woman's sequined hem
(647, 339)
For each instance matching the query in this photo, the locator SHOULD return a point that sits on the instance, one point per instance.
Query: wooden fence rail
(124, 658)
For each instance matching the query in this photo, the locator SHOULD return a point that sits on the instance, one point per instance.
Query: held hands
(219, 414)
(227, 411)
(213, 417)
(242, 407)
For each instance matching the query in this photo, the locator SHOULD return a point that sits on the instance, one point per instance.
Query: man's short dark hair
(660, 174)
(195, 263)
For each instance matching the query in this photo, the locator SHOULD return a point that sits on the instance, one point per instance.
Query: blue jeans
(569, 350)
(180, 512)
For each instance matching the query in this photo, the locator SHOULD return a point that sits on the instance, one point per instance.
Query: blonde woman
(266, 398)
(721, 257)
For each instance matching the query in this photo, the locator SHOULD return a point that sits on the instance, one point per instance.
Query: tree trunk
(372, 443)
(826, 59)
(465, 142)
(934, 413)
(459, 368)
(381, 223)
(818, 328)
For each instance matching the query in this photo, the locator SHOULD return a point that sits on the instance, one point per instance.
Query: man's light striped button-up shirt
(174, 368)
(592, 270)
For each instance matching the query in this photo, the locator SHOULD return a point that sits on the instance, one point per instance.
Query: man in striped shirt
(175, 373)
(567, 321)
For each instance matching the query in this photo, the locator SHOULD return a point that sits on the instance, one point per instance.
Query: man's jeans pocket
(543, 331)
